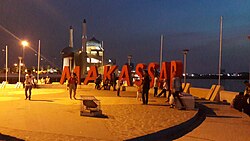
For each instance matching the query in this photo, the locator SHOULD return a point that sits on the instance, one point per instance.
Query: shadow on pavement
(175, 132)
(9, 138)
(158, 104)
(210, 112)
(42, 100)
(180, 130)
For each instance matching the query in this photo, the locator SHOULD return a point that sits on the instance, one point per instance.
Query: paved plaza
(51, 115)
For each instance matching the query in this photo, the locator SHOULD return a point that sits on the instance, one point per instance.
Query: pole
(249, 63)
(185, 67)
(102, 54)
(38, 58)
(220, 56)
(6, 66)
(185, 51)
(249, 74)
(19, 73)
(161, 50)
(23, 54)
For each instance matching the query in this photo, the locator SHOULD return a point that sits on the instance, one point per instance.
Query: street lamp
(24, 44)
(6, 64)
(185, 51)
(161, 51)
(38, 58)
(102, 54)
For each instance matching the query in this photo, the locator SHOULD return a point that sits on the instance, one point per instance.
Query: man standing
(177, 88)
(145, 87)
(29, 82)
(73, 85)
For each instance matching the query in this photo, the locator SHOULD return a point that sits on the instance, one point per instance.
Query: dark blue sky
(133, 27)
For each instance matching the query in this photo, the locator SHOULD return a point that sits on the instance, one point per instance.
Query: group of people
(29, 83)
(241, 101)
(107, 84)
(175, 90)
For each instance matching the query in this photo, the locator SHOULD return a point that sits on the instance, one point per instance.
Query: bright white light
(25, 43)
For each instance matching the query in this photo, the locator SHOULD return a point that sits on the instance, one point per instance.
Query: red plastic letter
(125, 74)
(65, 73)
(108, 71)
(152, 67)
(139, 71)
(92, 75)
(176, 70)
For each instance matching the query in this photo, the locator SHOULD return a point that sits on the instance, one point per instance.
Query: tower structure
(83, 55)
(67, 52)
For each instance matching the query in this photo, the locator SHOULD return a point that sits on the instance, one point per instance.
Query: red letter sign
(125, 74)
(152, 67)
(65, 73)
(108, 71)
(139, 71)
(176, 70)
(92, 75)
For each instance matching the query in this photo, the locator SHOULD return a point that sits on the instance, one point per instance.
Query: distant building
(91, 53)
(95, 53)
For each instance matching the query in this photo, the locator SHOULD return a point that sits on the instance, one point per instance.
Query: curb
(177, 131)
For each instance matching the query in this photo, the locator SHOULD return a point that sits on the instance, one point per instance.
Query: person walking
(29, 82)
(155, 86)
(145, 87)
(164, 89)
(176, 88)
(72, 85)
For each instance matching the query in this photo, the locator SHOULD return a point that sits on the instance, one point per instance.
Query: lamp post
(38, 59)
(161, 50)
(19, 69)
(102, 54)
(6, 64)
(185, 51)
(24, 44)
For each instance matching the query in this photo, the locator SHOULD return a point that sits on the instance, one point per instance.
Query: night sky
(132, 27)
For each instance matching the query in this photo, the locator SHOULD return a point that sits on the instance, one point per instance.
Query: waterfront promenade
(51, 115)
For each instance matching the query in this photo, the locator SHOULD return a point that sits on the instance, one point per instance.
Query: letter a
(92, 75)
(125, 74)
(65, 74)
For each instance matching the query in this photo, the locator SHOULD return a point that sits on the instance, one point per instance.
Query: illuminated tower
(84, 35)
(67, 52)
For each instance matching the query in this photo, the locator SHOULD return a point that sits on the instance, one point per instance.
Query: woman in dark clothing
(145, 87)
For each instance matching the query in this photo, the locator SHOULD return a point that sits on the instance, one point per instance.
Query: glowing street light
(24, 44)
